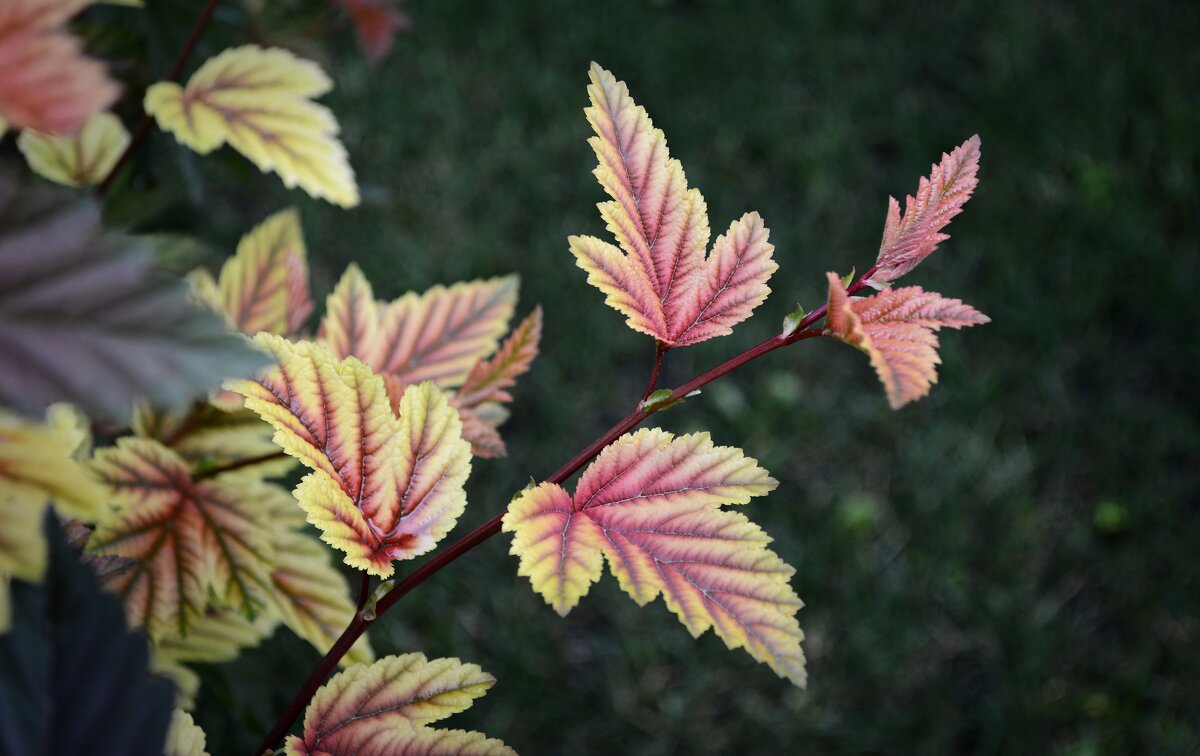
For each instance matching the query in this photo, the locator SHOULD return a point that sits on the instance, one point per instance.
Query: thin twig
(213, 472)
(143, 129)
(364, 590)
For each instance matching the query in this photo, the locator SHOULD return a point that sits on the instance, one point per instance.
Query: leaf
(435, 336)
(38, 468)
(79, 160)
(194, 540)
(651, 504)
(383, 487)
(257, 101)
(75, 679)
(375, 23)
(896, 329)
(46, 82)
(485, 389)
(206, 436)
(662, 281)
(385, 708)
(311, 596)
(264, 286)
(909, 239)
(219, 635)
(489, 378)
(184, 738)
(84, 318)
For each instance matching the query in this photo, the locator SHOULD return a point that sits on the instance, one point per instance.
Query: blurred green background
(1009, 566)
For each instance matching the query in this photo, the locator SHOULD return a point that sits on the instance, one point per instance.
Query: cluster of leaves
(208, 394)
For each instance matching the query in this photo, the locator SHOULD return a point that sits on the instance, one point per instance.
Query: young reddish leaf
(193, 541)
(663, 282)
(383, 487)
(376, 23)
(896, 329)
(350, 327)
(184, 738)
(385, 708)
(78, 159)
(257, 100)
(264, 286)
(489, 378)
(46, 82)
(651, 504)
(480, 399)
(909, 239)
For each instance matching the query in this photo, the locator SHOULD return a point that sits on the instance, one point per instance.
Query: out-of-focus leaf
(184, 738)
(85, 319)
(206, 435)
(80, 159)
(385, 708)
(651, 505)
(75, 679)
(896, 329)
(660, 278)
(383, 487)
(194, 541)
(264, 286)
(257, 101)
(46, 82)
(38, 467)
(375, 23)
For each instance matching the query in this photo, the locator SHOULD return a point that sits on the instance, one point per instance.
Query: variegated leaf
(909, 239)
(651, 504)
(46, 82)
(194, 541)
(185, 738)
(435, 336)
(257, 101)
(264, 286)
(383, 487)
(661, 278)
(385, 708)
(79, 159)
(895, 328)
(480, 400)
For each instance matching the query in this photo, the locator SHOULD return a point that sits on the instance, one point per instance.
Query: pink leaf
(909, 239)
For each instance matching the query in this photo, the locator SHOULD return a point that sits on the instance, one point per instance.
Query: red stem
(143, 129)
(490, 528)
(213, 472)
(364, 590)
(659, 351)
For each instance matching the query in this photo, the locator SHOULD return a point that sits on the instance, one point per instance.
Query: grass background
(1008, 566)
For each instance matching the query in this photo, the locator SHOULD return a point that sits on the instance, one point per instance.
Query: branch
(143, 129)
(490, 528)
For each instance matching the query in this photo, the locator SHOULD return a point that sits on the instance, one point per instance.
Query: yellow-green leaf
(258, 101)
(385, 708)
(264, 286)
(383, 487)
(185, 738)
(80, 159)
